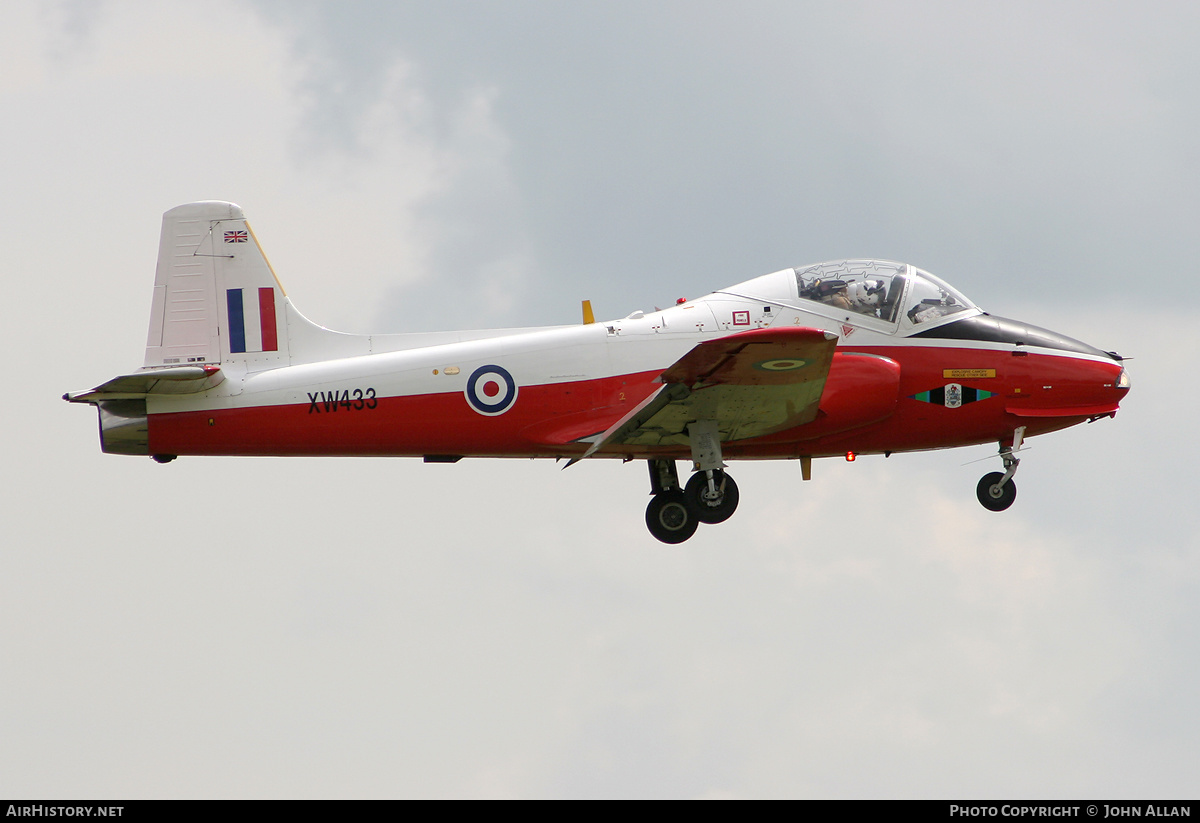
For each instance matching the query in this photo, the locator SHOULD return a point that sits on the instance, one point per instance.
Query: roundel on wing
(787, 364)
(491, 390)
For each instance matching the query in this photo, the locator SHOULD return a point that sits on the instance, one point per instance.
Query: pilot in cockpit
(866, 296)
(830, 292)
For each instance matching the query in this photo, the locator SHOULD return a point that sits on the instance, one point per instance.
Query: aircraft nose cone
(1121, 384)
(1123, 381)
(1074, 386)
(1054, 375)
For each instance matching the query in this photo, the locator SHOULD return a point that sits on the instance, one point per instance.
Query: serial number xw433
(346, 399)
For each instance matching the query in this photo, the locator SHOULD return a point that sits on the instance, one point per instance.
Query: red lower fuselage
(877, 403)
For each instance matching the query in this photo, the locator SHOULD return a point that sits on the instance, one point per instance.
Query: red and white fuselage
(850, 356)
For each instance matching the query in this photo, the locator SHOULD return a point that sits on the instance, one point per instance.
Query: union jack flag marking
(235, 236)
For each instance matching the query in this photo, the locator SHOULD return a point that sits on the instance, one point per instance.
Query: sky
(235, 627)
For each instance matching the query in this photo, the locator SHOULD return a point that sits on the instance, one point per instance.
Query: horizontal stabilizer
(177, 380)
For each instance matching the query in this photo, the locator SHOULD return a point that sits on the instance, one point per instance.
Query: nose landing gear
(997, 491)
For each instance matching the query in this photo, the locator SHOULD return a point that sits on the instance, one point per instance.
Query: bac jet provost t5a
(840, 358)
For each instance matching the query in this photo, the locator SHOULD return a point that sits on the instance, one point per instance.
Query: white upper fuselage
(416, 364)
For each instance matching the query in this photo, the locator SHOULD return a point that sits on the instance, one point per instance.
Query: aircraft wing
(753, 383)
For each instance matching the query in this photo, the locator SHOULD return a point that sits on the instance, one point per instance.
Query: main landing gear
(710, 496)
(996, 490)
(668, 517)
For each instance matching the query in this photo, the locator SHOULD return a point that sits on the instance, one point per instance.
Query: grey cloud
(663, 149)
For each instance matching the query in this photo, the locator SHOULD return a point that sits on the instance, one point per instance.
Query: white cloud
(159, 105)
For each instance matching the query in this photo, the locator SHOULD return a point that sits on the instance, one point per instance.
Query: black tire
(994, 497)
(669, 518)
(706, 510)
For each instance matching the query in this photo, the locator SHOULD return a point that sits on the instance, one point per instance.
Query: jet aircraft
(834, 359)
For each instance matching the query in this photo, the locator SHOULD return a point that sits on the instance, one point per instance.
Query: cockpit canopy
(894, 293)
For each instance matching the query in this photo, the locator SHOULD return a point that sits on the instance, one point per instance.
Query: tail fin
(216, 298)
(216, 302)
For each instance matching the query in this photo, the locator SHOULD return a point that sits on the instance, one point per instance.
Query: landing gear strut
(712, 493)
(997, 491)
(711, 496)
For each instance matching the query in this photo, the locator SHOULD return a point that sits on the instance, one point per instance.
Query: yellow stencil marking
(968, 374)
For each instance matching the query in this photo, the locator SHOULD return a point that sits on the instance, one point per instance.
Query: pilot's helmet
(866, 293)
(824, 288)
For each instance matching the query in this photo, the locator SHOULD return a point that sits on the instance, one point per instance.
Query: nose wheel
(994, 493)
(996, 490)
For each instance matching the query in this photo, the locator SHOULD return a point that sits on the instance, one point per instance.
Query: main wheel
(708, 509)
(669, 518)
(992, 495)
